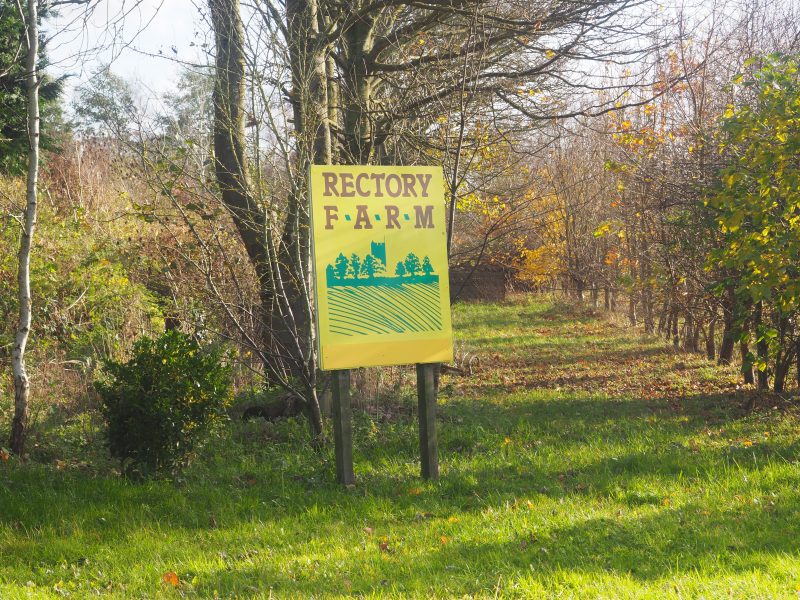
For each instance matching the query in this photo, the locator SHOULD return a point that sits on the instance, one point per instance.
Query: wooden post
(343, 427)
(426, 394)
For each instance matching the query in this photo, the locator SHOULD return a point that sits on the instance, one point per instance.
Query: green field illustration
(364, 300)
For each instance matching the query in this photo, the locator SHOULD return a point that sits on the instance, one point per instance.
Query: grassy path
(582, 461)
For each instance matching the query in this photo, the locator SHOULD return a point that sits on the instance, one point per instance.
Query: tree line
(685, 207)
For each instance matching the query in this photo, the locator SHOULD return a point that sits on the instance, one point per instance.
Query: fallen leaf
(5, 455)
(171, 578)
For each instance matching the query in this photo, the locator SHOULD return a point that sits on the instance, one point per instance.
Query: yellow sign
(380, 266)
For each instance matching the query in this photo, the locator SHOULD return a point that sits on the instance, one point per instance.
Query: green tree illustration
(369, 266)
(355, 265)
(341, 265)
(427, 267)
(412, 264)
(400, 270)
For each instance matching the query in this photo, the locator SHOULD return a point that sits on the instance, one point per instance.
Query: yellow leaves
(540, 264)
(5, 455)
(611, 257)
(443, 540)
(414, 492)
(171, 578)
(602, 230)
(452, 520)
(665, 502)
(549, 54)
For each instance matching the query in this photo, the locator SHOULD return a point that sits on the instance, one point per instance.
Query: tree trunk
(606, 299)
(695, 344)
(711, 342)
(747, 366)
(663, 323)
(676, 340)
(729, 326)
(579, 287)
(286, 319)
(647, 304)
(779, 381)
(783, 361)
(797, 361)
(19, 423)
(632, 310)
(761, 348)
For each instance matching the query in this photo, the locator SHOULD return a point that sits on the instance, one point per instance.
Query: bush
(157, 403)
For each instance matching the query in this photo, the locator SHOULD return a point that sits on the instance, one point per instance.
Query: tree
(412, 264)
(355, 265)
(427, 267)
(369, 266)
(369, 85)
(105, 106)
(14, 142)
(21, 381)
(342, 266)
(759, 207)
(400, 270)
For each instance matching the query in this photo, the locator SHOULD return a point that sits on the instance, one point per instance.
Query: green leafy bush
(157, 403)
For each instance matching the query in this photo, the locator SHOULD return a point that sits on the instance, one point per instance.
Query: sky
(145, 41)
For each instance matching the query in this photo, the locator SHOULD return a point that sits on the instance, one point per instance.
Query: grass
(581, 461)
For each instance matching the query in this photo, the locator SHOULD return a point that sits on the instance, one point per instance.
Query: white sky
(144, 40)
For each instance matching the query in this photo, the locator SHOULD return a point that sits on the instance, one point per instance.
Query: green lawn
(581, 461)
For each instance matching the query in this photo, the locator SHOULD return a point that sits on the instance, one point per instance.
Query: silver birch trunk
(21, 382)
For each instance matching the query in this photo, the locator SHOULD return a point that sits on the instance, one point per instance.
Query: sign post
(343, 427)
(428, 445)
(382, 292)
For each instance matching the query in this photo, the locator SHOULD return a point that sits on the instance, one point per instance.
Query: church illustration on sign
(367, 296)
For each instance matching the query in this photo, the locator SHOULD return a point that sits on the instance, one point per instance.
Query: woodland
(623, 424)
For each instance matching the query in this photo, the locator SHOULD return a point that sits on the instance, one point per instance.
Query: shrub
(157, 403)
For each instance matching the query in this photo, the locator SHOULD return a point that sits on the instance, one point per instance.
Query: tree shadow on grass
(690, 540)
(43, 509)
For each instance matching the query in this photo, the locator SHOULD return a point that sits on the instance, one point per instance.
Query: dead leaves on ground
(171, 578)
